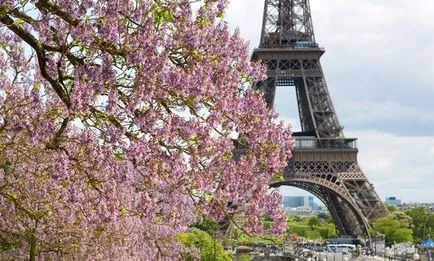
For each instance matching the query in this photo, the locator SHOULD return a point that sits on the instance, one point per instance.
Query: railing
(302, 142)
(314, 143)
(289, 44)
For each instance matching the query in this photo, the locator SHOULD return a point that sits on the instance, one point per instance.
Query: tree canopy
(209, 247)
(320, 226)
(423, 223)
(117, 121)
(397, 228)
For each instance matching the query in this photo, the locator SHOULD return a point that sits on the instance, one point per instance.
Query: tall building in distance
(299, 201)
(392, 201)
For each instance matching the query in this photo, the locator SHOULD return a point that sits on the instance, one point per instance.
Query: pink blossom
(117, 121)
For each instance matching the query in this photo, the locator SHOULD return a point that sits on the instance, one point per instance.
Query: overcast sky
(379, 68)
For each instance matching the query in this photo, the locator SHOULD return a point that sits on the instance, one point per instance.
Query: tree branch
(23, 16)
(40, 52)
(112, 120)
(47, 6)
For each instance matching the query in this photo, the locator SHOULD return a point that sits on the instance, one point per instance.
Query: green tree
(430, 225)
(396, 227)
(313, 234)
(210, 248)
(312, 227)
(313, 221)
(423, 223)
(324, 232)
(323, 216)
(403, 235)
(392, 208)
(208, 225)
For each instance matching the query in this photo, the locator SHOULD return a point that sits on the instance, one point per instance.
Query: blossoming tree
(117, 121)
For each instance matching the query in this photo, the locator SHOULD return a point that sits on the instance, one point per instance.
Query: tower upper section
(287, 23)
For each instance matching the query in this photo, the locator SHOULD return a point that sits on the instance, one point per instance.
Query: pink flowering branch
(117, 129)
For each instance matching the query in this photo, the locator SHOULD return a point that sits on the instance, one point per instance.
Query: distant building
(303, 203)
(299, 201)
(411, 205)
(393, 201)
(303, 211)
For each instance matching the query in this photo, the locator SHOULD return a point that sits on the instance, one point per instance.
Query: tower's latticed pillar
(324, 162)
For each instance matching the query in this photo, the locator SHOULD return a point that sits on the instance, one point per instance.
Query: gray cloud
(377, 52)
(400, 166)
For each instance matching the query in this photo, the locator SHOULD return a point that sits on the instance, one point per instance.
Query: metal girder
(315, 106)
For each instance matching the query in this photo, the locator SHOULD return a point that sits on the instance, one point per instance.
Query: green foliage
(392, 208)
(210, 248)
(278, 176)
(311, 227)
(298, 229)
(5, 166)
(5, 246)
(430, 225)
(208, 225)
(162, 14)
(266, 222)
(396, 227)
(327, 232)
(267, 218)
(423, 223)
(245, 239)
(312, 234)
(403, 235)
(323, 216)
(267, 225)
(245, 257)
(313, 221)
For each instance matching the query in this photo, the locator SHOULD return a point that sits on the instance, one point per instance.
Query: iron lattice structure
(324, 162)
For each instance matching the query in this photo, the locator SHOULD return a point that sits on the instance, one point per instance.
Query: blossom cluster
(119, 126)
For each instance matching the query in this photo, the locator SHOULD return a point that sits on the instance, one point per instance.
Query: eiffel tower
(324, 162)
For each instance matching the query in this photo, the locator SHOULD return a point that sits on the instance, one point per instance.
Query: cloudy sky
(379, 68)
